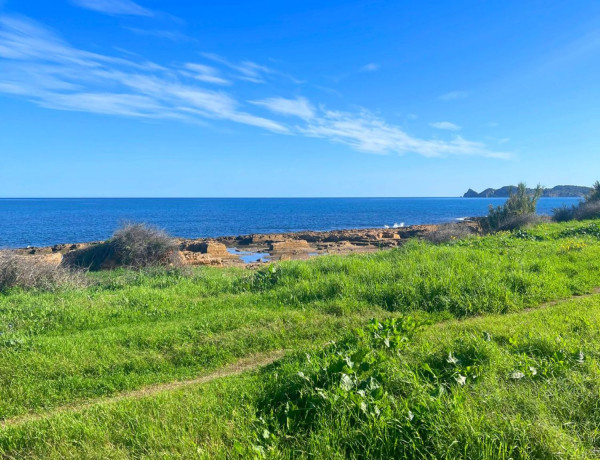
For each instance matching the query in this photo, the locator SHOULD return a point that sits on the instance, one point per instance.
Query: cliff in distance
(566, 191)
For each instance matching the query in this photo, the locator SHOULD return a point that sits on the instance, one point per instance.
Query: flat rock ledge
(265, 248)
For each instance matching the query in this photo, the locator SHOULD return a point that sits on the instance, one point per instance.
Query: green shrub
(519, 210)
(563, 214)
(594, 195)
(587, 209)
(520, 221)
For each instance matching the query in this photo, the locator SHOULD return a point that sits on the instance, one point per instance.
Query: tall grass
(28, 272)
(129, 329)
(521, 386)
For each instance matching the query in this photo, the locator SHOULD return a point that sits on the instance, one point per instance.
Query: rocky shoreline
(257, 249)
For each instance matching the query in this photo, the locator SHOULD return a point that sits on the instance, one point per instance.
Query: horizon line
(221, 197)
(240, 197)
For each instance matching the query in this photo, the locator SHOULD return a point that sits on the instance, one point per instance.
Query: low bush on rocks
(133, 246)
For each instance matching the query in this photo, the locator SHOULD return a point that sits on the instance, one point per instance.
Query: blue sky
(296, 98)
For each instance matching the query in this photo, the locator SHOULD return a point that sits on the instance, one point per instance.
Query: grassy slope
(133, 330)
(551, 415)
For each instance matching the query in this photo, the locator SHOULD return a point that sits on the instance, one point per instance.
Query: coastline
(259, 248)
(48, 222)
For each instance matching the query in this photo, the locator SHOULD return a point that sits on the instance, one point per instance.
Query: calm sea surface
(44, 222)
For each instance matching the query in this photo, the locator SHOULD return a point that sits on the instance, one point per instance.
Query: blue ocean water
(44, 222)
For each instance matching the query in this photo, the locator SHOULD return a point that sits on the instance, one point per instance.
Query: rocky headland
(559, 191)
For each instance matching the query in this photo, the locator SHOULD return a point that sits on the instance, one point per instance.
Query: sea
(48, 221)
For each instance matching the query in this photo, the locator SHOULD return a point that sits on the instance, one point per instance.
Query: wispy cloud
(48, 71)
(371, 67)
(205, 73)
(250, 71)
(172, 35)
(454, 95)
(114, 7)
(299, 107)
(369, 133)
(446, 125)
(246, 70)
(39, 66)
(581, 49)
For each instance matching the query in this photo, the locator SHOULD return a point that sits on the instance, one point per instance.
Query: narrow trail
(594, 292)
(245, 364)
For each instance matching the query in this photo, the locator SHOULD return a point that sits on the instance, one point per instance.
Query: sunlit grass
(131, 329)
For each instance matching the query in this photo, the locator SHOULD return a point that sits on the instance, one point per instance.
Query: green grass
(518, 386)
(129, 330)
(423, 411)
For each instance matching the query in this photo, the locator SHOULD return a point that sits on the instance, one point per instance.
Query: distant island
(562, 191)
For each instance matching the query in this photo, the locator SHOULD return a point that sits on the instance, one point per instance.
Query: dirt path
(243, 365)
(549, 304)
(594, 292)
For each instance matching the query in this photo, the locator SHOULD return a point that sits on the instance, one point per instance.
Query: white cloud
(205, 73)
(40, 67)
(454, 95)
(299, 107)
(246, 70)
(114, 7)
(445, 125)
(250, 71)
(371, 67)
(368, 133)
(36, 64)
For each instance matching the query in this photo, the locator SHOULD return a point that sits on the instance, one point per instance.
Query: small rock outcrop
(198, 258)
(289, 245)
(212, 248)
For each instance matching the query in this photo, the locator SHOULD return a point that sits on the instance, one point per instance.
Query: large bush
(32, 272)
(594, 195)
(587, 209)
(133, 245)
(518, 211)
(140, 245)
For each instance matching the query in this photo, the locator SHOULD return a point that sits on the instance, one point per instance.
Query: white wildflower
(346, 382)
(451, 359)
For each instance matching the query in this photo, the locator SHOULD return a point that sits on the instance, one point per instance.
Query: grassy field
(460, 364)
